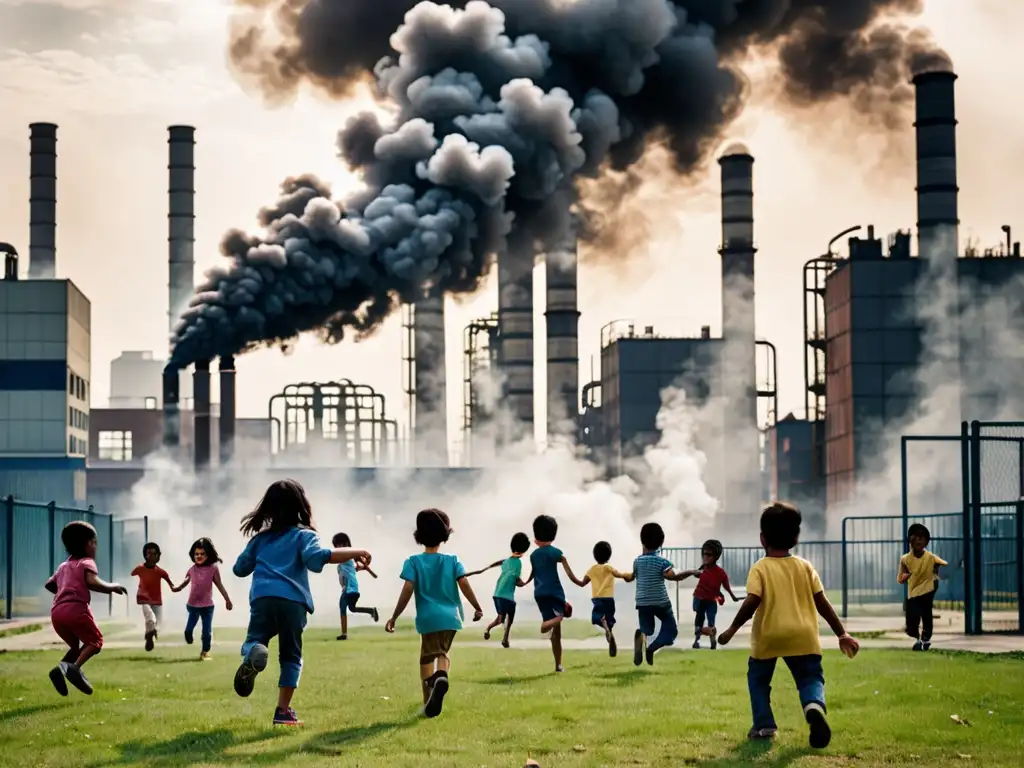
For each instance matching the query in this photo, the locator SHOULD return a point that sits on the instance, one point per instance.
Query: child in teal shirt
(505, 589)
(435, 579)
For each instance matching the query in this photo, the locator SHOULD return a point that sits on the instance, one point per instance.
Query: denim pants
(271, 617)
(194, 615)
(704, 609)
(669, 629)
(807, 674)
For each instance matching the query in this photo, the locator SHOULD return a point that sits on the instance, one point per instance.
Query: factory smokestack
(738, 363)
(430, 383)
(181, 194)
(42, 244)
(563, 362)
(201, 414)
(226, 422)
(935, 124)
(172, 415)
(515, 334)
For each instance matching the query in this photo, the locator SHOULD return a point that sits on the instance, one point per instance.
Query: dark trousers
(271, 617)
(704, 609)
(807, 674)
(669, 629)
(919, 616)
(194, 616)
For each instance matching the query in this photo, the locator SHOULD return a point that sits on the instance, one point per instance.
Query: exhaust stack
(172, 415)
(201, 414)
(226, 422)
(431, 438)
(42, 244)
(563, 363)
(180, 219)
(935, 127)
(515, 334)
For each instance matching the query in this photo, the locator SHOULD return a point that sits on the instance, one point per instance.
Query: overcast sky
(115, 73)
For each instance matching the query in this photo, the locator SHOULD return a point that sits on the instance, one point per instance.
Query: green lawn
(360, 702)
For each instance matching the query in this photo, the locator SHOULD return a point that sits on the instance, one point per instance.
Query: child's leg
(556, 644)
(810, 682)
(927, 617)
(262, 627)
(711, 613)
(206, 614)
(645, 622)
(291, 620)
(435, 665)
(190, 625)
(913, 618)
(669, 629)
(149, 617)
(510, 616)
(343, 607)
(499, 619)
(759, 684)
(698, 615)
(353, 598)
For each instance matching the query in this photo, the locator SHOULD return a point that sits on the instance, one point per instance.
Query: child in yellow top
(785, 597)
(601, 578)
(919, 570)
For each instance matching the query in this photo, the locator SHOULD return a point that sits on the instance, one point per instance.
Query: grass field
(360, 701)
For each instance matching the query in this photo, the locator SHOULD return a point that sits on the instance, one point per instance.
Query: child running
(707, 596)
(283, 548)
(651, 571)
(919, 570)
(505, 588)
(151, 577)
(547, 587)
(785, 598)
(349, 582)
(70, 613)
(601, 578)
(204, 575)
(435, 579)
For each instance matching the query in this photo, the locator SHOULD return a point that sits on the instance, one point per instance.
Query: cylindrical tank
(180, 219)
(515, 333)
(430, 382)
(42, 244)
(935, 127)
(201, 414)
(226, 422)
(563, 361)
(172, 415)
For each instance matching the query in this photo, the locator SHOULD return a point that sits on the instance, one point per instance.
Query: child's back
(436, 578)
(786, 621)
(72, 588)
(546, 583)
(280, 561)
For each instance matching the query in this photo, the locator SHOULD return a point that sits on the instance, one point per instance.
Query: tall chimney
(935, 124)
(180, 219)
(201, 414)
(226, 422)
(42, 243)
(738, 372)
(515, 334)
(430, 382)
(563, 364)
(172, 415)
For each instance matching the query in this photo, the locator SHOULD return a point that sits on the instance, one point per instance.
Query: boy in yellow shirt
(601, 578)
(919, 570)
(785, 597)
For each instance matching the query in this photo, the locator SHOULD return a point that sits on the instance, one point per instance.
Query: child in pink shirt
(70, 614)
(204, 575)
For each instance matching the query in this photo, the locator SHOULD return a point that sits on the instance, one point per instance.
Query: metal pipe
(430, 381)
(42, 243)
(180, 219)
(935, 127)
(201, 414)
(563, 360)
(172, 414)
(10, 261)
(515, 333)
(226, 422)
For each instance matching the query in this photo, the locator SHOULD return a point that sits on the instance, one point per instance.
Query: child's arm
(584, 581)
(486, 568)
(96, 584)
(51, 584)
(728, 588)
(467, 590)
(847, 644)
(671, 575)
(185, 583)
(568, 572)
(521, 583)
(628, 577)
(403, 601)
(344, 554)
(747, 610)
(904, 574)
(361, 567)
(220, 586)
(166, 577)
(246, 562)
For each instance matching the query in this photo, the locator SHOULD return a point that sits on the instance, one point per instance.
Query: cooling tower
(172, 415)
(935, 125)
(180, 219)
(226, 421)
(42, 244)
(201, 414)
(515, 335)
(430, 383)
(563, 363)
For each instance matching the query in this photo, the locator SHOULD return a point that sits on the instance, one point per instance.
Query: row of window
(77, 446)
(115, 445)
(78, 419)
(77, 386)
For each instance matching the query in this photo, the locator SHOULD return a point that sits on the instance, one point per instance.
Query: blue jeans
(194, 615)
(807, 674)
(669, 629)
(271, 617)
(604, 609)
(704, 609)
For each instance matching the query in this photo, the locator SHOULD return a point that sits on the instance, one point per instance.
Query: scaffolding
(409, 365)
(479, 360)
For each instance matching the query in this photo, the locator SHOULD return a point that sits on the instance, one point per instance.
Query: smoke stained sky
(115, 75)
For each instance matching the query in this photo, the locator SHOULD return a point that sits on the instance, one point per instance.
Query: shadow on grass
(757, 753)
(337, 742)
(512, 680)
(160, 659)
(625, 677)
(194, 747)
(14, 714)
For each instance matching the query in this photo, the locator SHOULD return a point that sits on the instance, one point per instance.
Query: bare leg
(556, 644)
(508, 631)
(284, 698)
(88, 651)
(492, 625)
(344, 624)
(550, 624)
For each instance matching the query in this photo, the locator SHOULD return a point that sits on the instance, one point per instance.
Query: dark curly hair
(432, 528)
(212, 558)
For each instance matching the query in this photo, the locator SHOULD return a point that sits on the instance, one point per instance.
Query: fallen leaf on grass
(959, 720)
(579, 748)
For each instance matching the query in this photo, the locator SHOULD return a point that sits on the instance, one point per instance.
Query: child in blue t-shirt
(435, 579)
(349, 582)
(547, 587)
(505, 588)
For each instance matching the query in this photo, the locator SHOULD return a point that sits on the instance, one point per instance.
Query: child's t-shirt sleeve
(938, 561)
(665, 565)
(136, 570)
(755, 581)
(314, 555)
(460, 569)
(245, 564)
(88, 564)
(408, 571)
(816, 586)
(516, 568)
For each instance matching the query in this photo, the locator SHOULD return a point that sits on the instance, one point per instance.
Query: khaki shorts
(435, 645)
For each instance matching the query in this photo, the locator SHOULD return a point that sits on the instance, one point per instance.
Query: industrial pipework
(201, 414)
(10, 254)
(180, 219)
(42, 243)
(935, 126)
(430, 383)
(226, 421)
(515, 333)
(479, 365)
(172, 414)
(563, 363)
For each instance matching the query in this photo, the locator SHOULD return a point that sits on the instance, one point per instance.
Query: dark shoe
(639, 644)
(696, 643)
(78, 679)
(376, 616)
(286, 717)
(254, 663)
(613, 647)
(821, 734)
(149, 640)
(649, 653)
(761, 734)
(487, 634)
(188, 639)
(926, 645)
(918, 646)
(436, 699)
(342, 637)
(57, 678)
(504, 643)
(714, 641)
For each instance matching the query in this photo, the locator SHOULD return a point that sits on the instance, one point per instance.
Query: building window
(115, 446)
(150, 404)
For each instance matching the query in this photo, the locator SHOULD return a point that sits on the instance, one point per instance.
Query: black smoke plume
(500, 106)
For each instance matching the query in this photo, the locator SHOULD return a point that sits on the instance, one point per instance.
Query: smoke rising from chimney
(499, 108)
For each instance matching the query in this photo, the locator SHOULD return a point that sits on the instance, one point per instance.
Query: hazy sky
(115, 73)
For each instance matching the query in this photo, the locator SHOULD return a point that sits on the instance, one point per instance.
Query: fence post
(51, 510)
(965, 523)
(1020, 565)
(145, 528)
(846, 587)
(977, 588)
(110, 560)
(9, 576)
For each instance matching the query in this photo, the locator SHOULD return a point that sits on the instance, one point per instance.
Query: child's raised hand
(389, 625)
(847, 645)
(119, 590)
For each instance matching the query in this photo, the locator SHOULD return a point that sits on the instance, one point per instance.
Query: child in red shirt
(150, 597)
(708, 594)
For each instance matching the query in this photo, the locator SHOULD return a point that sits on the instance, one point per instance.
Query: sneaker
(254, 663)
(376, 616)
(57, 678)
(761, 734)
(639, 646)
(696, 643)
(189, 639)
(286, 717)
(714, 640)
(918, 646)
(504, 643)
(487, 634)
(78, 679)
(204, 656)
(613, 647)
(342, 637)
(926, 645)
(149, 640)
(821, 734)
(649, 654)
(559, 668)
(436, 699)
